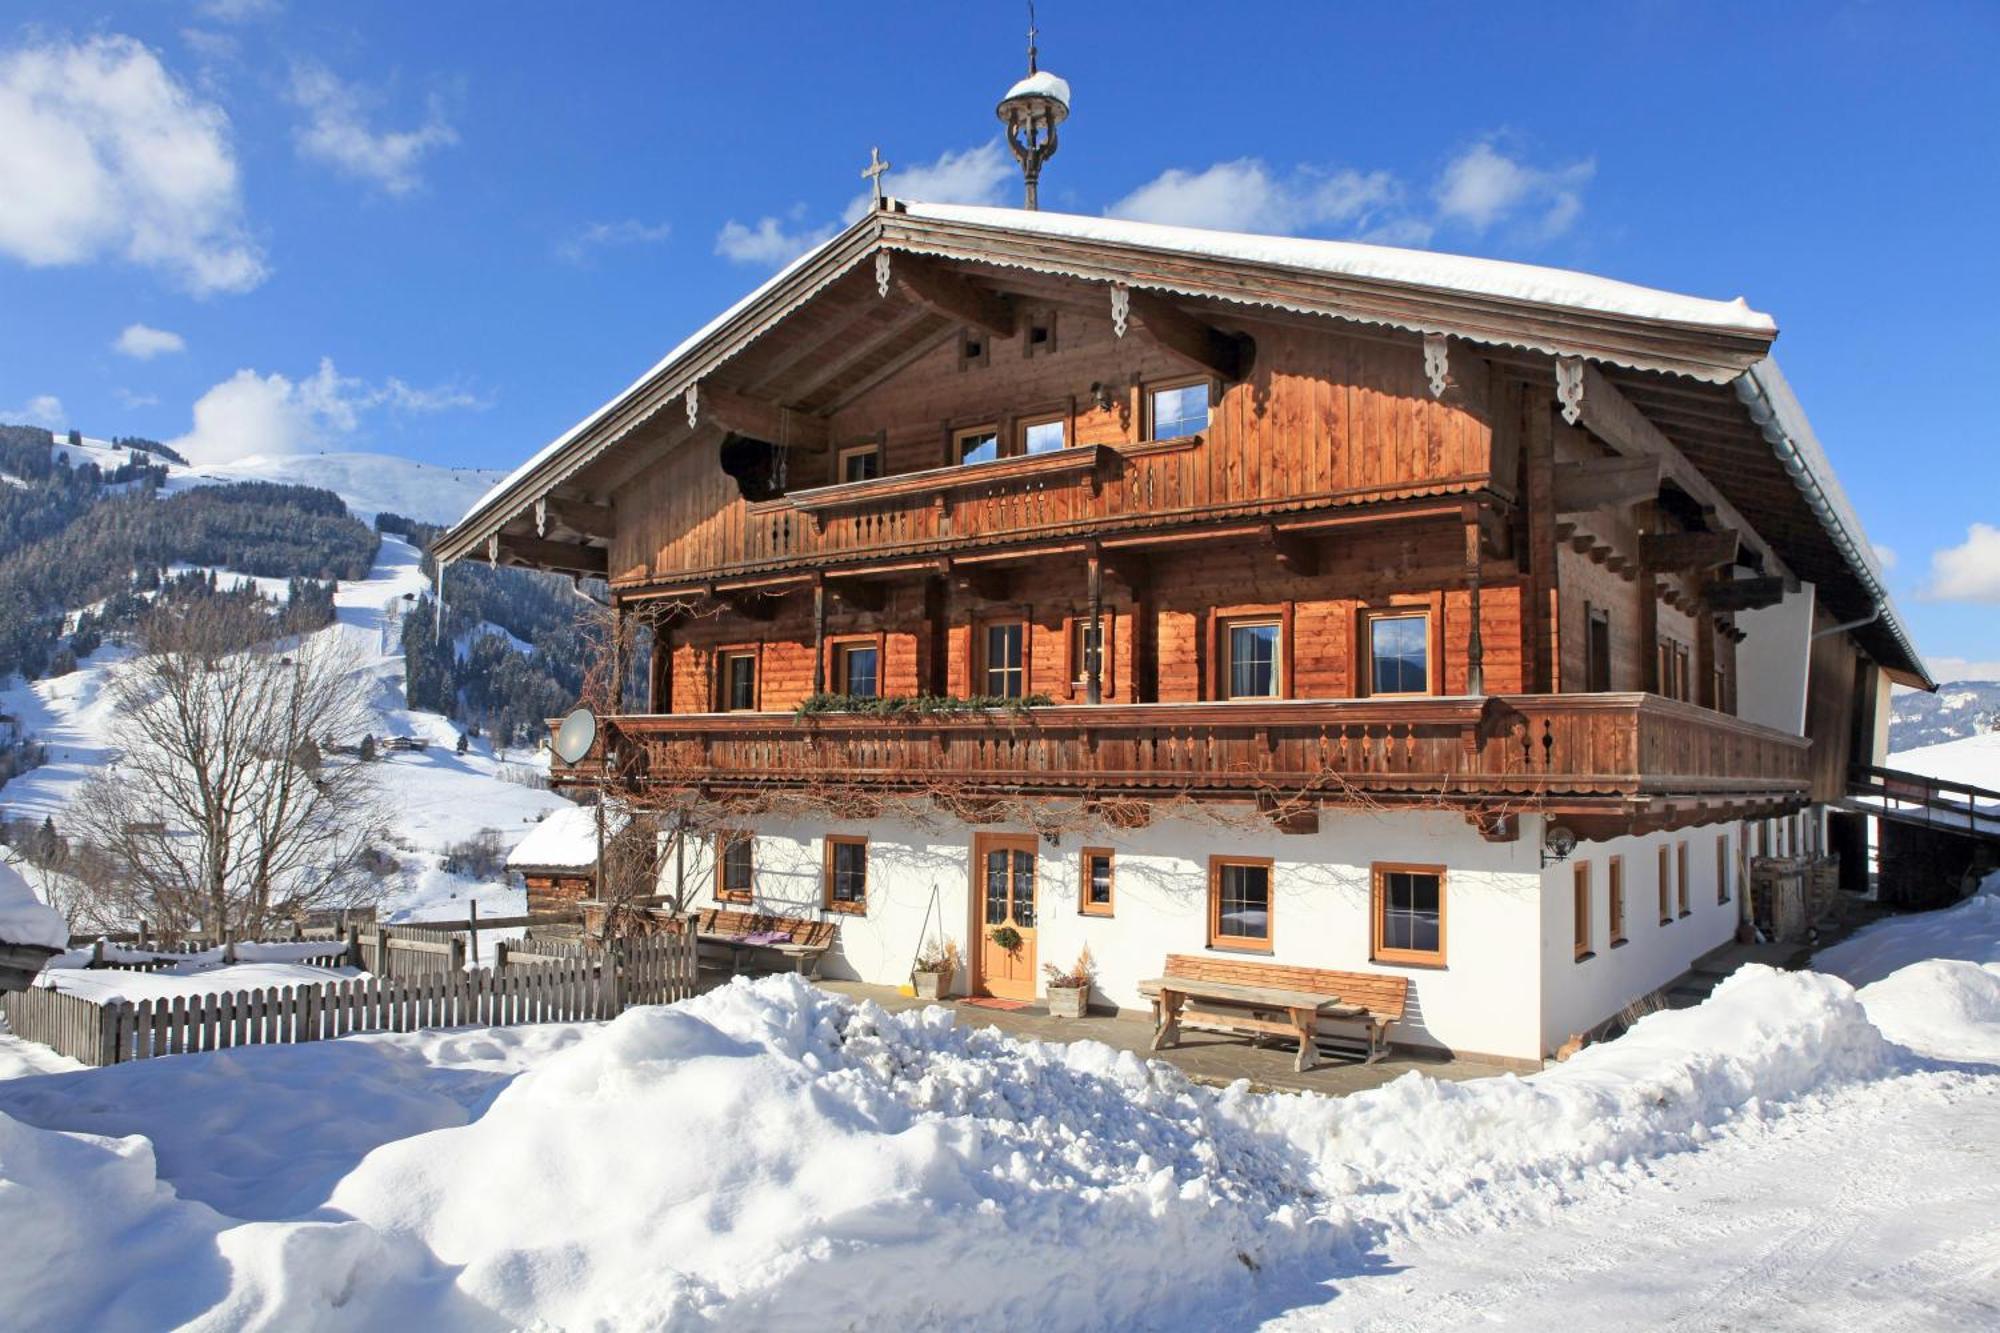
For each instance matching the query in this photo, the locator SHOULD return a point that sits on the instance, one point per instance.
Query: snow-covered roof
(1041, 84)
(24, 917)
(566, 840)
(1502, 278)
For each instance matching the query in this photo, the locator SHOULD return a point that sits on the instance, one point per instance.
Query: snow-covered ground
(439, 798)
(1973, 760)
(774, 1156)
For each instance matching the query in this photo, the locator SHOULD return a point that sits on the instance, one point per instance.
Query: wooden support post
(1649, 605)
(659, 668)
(1475, 647)
(1542, 668)
(937, 647)
(1094, 660)
(819, 634)
(619, 626)
(1704, 644)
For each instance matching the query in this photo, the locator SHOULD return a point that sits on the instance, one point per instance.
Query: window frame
(829, 873)
(1596, 659)
(1076, 679)
(733, 652)
(1681, 878)
(1666, 871)
(871, 449)
(837, 648)
(1364, 647)
(1378, 915)
(1148, 389)
(1242, 943)
(955, 445)
(724, 840)
(1059, 418)
(1223, 659)
(980, 628)
(1084, 906)
(1722, 895)
(1580, 922)
(1614, 898)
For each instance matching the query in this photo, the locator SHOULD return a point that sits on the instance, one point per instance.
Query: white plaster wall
(1486, 999)
(1579, 995)
(1772, 662)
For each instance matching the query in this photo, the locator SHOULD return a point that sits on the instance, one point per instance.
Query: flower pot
(930, 985)
(1069, 1001)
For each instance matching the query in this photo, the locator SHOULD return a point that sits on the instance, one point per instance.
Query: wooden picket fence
(528, 986)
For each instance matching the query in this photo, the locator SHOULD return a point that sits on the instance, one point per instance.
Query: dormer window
(1044, 437)
(861, 462)
(976, 444)
(1178, 410)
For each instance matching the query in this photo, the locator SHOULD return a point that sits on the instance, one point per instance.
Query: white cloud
(337, 132)
(134, 401)
(1246, 195)
(236, 11)
(1968, 572)
(143, 342)
(1962, 668)
(968, 176)
(103, 152)
(597, 236)
(769, 243)
(1483, 186)
(248, 414)
(44, 409)
(1885, 556)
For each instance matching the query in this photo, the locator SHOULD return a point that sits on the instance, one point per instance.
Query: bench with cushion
(1271, 999)
(741, 934)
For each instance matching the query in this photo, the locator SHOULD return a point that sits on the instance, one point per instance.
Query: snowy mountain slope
(1958, 709)
(369, 483)
(1974, 760)
(438, 798)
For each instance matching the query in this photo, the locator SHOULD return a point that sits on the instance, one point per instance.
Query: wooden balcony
(1633, 755)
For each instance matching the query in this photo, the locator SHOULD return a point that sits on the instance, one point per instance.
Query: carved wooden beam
(769, 422)
(1746, 594)
(750, 605)
(565, 556)
(950, 294)
(579, 516)
(1605, 482)
(1196, 341)
(1295, 554)
(1690, 550)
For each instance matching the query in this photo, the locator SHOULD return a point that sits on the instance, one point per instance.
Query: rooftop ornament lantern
(1031, 111)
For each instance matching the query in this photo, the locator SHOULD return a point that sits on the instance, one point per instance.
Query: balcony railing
(1473, 750)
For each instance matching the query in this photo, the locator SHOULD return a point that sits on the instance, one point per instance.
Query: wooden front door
(1003, 894)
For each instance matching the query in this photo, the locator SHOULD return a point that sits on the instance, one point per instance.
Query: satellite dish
(576, 735)
(1559, 841)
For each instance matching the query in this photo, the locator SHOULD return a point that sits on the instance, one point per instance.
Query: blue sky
(448, 230)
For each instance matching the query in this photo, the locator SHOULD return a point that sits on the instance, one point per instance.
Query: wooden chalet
(1343, 586)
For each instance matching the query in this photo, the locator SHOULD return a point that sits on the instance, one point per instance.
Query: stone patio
(1206, 1057)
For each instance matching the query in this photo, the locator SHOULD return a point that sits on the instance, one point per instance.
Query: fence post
(108, 1019)
(472, 927)
(457, 954)
(353, 934)
(610, 1000)
(97, 952)
(499, 964)
(383, 967)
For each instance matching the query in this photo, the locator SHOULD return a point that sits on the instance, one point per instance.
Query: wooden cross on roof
(873, 172)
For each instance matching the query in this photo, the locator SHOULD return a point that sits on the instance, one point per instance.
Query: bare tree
(221, 813)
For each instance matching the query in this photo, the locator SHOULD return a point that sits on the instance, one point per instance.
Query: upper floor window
(1597, 649)
(857, 669)
(739, 681)
(1178, 410)
(861, 462)
(1398, 646)
(976, 444)
(1044, 437)
(1087, 648)
(1253, 668)
(1003, 660)
(1674, 680)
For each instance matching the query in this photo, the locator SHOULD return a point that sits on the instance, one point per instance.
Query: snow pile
(565, 840)
(1944, 1007)
(25, 918)
(1969, 931)
(108, 985)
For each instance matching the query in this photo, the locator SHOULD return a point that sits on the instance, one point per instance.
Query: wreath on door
(1007, 938)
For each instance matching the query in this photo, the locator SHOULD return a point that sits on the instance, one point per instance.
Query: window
(1614, 874)
(977, 444)
(861, 462)
(732, 867)
(857, 670)
(1409, 914)
(1597, 650)
(1681, 877)
(1666, 878)
(1251, 669)
(1721, 868)
(1094, 896)
(1003, 661)
(1239, 903)
(972, 349)
(846, 873)
(1041, 335)
(739, 681)
(1674, 678)
(1086, 649)
(1178, 410)
(1399, 653)
(1044, 437)
(1580, 909)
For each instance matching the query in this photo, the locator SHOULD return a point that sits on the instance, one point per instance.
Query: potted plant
(936, 962)
(1069, 988)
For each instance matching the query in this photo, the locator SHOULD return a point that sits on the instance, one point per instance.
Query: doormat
(994, 1002)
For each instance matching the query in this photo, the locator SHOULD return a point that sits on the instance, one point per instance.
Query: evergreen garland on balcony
(917, 706)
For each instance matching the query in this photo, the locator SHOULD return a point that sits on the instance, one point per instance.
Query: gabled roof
(1639, 331)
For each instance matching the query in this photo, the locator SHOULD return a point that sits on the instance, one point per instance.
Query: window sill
(1432, 964)
(736, 897)
(1618, 943)
(849, 909)
(1104, 915)
(1685, 915)
(1262, 950)
(1586, 956)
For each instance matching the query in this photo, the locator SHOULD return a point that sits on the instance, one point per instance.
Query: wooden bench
(1269, 999)
(744, 933)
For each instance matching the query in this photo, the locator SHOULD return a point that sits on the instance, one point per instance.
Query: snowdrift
(773, 1156)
